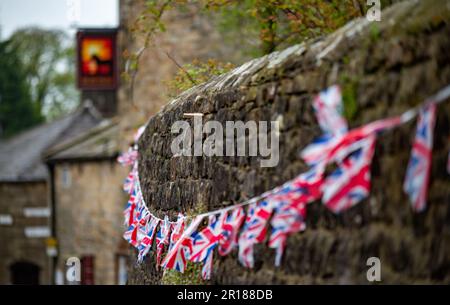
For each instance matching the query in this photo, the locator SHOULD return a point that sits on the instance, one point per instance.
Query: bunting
(339, 175)
(350, 182)
(230, 229)
(328, 109)
(162, 239)
(176, 258)
(204, 242)
(177, 230)
(290, 212)
(418, 171)
(148, 234)
(254, 230)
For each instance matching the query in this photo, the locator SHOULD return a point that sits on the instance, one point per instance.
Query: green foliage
(281, 23)
(148, 23)
(257, 27)
(349, 96)
(375, 32)
(195, 73)
(193, 273)
(265, 25)
(17, 112)
(48, 60)
(191, 276)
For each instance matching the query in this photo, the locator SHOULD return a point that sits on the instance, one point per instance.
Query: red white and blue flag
(130, 211)
(136, 231)
(327, 149)
(207, 267)
(350, 182)
(130, 235)
(230, 230)
(328, 109)
(177, 229)
(418, 171)
(204, 242)
(162, 239)
(128, 158)
(254, 231)
(146, 239)
(130, 181)
(177, 256)
(290, 212)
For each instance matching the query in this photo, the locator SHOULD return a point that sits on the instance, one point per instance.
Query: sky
(57, 14)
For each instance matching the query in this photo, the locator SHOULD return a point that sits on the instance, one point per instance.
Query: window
(66, 178)
(87, 270)
(6, 220)
(121, 269)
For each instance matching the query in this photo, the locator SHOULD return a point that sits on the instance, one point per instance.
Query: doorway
(24, 273)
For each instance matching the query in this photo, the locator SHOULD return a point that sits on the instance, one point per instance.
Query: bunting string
(284, 207)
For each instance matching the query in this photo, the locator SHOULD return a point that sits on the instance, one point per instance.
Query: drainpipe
(53, 259)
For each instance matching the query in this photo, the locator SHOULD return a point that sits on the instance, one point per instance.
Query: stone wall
(383, 68)
(14, 245)
(89, 216)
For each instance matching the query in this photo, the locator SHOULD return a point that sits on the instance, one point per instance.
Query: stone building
(26, 217)
(88, 202)
(189, 35)
(61, 180)
(64, 173)
(383, 68)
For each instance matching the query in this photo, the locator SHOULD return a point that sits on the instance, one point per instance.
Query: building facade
(26, 218)
(24, 225)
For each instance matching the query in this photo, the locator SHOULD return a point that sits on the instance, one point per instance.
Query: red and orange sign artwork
(96, 54)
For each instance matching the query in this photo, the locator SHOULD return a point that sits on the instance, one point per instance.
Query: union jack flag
(135, 231)
(254, 230)
(133, 205)
(130, 181)
(128, 158)
(177, 229)
(207, 267)
(326, 149)
(130, 235)
(290, 212)
(418, 171)
(230, 231)
(182, 249)
(162, 239)
(129, 213)
(146, 241)
(204, 242)
(350, 182)
(328, 108)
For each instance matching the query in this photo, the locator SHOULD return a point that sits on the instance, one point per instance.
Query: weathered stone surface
(384, 68)
(88, 218)
(15, 246)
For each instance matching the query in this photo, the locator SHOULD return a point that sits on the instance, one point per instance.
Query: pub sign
(97, 59)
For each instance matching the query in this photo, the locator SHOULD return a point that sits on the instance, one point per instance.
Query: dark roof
(98, 142)
(21, 155)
